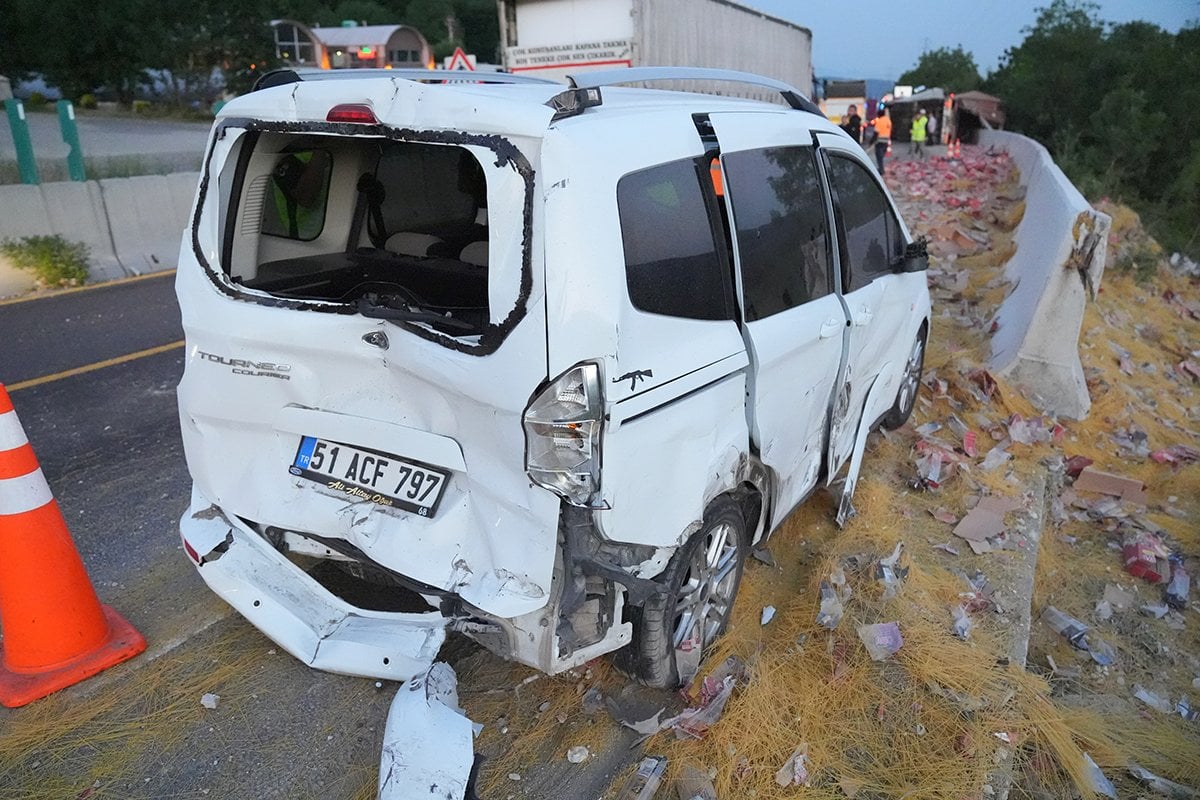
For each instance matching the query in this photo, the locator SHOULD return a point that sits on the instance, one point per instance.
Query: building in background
(351, 46)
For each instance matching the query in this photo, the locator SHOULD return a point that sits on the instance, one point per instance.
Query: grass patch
(53, 260)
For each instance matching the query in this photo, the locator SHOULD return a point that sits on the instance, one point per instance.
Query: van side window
(782, 233)
(868, 231)
(295, 201)
(671, 261)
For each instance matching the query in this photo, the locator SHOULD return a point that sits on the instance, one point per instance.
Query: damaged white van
(536, 364)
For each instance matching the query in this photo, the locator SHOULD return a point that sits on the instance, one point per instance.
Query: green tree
(366, 11)
(953, 70)
(210, 42)
(1119, 107)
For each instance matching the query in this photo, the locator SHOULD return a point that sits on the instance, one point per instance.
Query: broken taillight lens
(360, 113)
(562, 436)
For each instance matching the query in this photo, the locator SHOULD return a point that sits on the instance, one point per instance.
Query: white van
(538, 365)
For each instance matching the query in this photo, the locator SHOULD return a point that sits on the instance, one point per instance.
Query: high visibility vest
(918, 128)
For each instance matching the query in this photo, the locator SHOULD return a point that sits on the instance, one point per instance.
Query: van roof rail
(280, 77)
(609, 77)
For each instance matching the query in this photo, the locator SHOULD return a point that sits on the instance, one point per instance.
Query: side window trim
(837, 225)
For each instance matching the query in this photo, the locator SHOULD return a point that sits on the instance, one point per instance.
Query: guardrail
(1061, 246)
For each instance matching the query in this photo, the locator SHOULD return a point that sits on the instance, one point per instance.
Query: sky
(884, 38)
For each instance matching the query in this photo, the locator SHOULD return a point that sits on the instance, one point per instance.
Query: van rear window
(397, 229)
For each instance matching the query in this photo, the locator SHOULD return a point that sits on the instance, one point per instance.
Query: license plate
(370, 475)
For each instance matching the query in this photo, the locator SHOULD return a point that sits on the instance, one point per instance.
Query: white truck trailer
(555, 38)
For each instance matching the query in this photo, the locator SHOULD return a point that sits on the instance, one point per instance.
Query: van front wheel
(677, 625)
(910, 386)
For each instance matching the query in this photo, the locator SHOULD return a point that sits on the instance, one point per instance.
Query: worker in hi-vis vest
(299, 182)
(920, 124)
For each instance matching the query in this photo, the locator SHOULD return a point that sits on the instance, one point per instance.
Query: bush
(36, 100)
(52, 259)
(141, 106)
(87, 101)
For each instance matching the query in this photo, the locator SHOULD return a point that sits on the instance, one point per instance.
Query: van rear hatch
(362, 298)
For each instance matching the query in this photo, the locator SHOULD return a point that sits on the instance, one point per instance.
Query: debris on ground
(715, 691)
(768, 613)
(644, 783)
(1099, 783)
(794, 772)
(882, 640)
(693, 784)
(1162, 785)
(578, 754)
(210, 700)
(428, 740)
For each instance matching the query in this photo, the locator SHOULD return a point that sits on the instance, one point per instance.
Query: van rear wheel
(683, 621)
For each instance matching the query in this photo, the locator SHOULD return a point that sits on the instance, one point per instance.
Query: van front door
(793, 321)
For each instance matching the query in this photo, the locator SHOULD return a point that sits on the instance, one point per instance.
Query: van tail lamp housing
(562, 436)
(357, 113)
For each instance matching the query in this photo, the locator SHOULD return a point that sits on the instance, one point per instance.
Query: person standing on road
(920, 125)
(883, 136)
(853, 124)
(932, 130)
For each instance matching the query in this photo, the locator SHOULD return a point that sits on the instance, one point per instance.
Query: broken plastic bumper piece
(296, 612)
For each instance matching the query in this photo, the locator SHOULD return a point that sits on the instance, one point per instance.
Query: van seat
(410, 243)
(475, 253)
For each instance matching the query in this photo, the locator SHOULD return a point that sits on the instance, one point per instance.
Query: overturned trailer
(553, 38)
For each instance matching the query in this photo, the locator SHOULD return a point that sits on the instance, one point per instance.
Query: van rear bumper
(296, 612)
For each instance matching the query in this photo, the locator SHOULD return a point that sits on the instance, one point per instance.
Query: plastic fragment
(794, 771)
(996, 457)
(882, 640)
(644, 783)
(1155, 701)
(1156, 610)
(962, 622)
(1176, 594)
(578, 754)
(890, 574)
(1097, 780)
(692, 784)
(1161, 785)
(768, 613)
(210, 700)
(1183, 707)
(427, 739)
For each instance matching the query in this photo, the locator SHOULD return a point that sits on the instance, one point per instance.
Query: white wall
(1036, 344)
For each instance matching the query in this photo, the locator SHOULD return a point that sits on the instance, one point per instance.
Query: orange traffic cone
(56, 632)
(958, 148)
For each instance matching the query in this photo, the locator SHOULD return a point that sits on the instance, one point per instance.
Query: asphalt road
(101, 135)
(92, 375)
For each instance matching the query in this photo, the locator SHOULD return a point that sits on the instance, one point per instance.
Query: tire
(664, 620)
(910, 385)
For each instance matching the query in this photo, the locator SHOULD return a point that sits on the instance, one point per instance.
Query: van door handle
(864, 316)
(831, 327)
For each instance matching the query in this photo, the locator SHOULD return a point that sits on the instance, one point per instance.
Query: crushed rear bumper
(299, 614)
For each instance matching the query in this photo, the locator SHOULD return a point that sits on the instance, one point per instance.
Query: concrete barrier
(130, 225)
(145, 221)
(76, 211)
(1058, 265)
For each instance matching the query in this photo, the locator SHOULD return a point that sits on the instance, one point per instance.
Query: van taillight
(360, 113)
(562, 436)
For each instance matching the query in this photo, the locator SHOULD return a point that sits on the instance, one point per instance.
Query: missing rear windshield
(391, 229)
